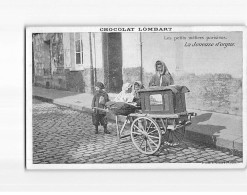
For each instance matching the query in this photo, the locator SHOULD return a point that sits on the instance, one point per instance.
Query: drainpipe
(91, 65)
(95, 60)
(141, 56)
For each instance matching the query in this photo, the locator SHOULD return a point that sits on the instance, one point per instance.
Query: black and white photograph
(135, 97)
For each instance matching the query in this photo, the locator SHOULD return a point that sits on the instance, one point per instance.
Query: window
(156, 99)
(78, 49)
(156, 102)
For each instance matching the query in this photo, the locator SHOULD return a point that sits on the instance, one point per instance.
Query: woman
(162, 76)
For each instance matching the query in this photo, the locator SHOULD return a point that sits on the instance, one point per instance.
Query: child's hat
(100, 85)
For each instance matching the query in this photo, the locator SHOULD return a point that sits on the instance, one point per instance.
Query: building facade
(75, 61)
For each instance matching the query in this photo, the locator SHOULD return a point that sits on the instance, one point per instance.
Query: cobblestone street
(62, 135)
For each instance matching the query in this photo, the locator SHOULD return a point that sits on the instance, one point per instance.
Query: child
(137, 87)
(99, 99)
(125, 95)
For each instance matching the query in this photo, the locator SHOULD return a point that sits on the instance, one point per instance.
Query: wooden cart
(161, 119)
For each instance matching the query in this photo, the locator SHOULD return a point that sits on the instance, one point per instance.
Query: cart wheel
(146, 135)
(174, 137)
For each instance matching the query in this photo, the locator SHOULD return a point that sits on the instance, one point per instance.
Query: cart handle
(192, 114)
(101, 109)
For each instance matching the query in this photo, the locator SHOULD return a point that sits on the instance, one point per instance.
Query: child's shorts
(99, 119)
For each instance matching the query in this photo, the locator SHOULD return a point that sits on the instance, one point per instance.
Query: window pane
(156, 99)
(77, 46)
(78, 58)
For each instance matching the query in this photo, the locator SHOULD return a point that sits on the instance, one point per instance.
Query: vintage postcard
(136, 97)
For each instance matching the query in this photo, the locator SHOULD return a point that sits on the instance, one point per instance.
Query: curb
(210, 141)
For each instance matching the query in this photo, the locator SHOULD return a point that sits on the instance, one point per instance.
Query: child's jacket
(99, 100)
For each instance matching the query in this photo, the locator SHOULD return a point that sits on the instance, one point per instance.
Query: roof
(173, 88)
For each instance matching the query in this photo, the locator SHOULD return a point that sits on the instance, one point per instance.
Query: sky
(170, 48)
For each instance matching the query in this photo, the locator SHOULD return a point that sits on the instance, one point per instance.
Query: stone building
(66, 61)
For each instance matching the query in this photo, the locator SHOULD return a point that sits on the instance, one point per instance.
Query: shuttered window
(78, 49)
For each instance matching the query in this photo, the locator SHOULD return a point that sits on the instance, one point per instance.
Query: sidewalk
(219, 130)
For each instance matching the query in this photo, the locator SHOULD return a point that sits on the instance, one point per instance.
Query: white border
(29, 151)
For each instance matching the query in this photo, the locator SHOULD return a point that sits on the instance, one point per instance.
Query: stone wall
(86, 76)
(213, 92)
(69, 81)
(42, 57)
(75, 81)
(51, 81)
(57, 53)
(49, 70)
